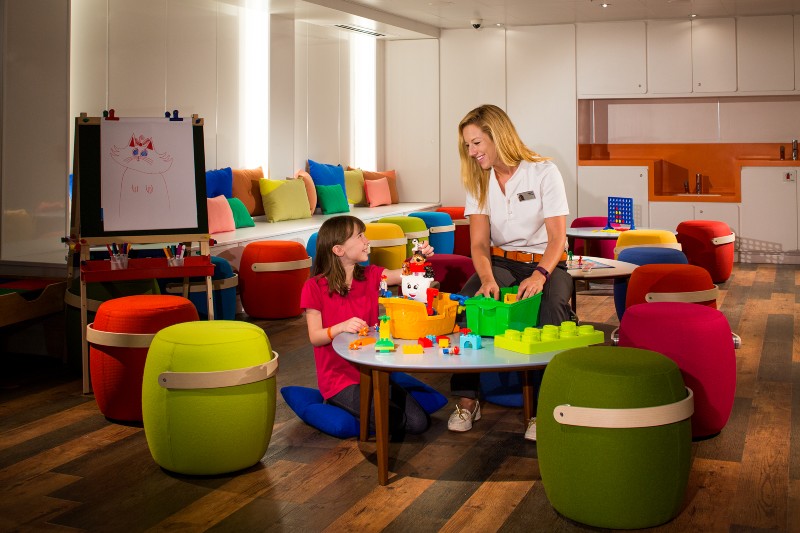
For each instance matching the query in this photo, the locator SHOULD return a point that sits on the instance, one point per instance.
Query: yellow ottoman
(387, 244)
(654, 238)
(413, 228)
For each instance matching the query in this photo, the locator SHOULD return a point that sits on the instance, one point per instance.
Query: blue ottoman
(643, 255)
(224, 283)
(441, 228)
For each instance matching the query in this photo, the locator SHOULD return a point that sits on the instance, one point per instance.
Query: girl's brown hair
(335, 231)
(494, 122)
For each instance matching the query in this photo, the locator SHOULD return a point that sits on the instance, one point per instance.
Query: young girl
(342, 296)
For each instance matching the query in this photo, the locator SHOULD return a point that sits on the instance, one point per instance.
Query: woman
(517, 209)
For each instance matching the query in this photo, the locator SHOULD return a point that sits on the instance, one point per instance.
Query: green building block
(549, 338)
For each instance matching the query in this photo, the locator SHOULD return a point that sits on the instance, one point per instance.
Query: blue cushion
(502, 388)
(219, 182)
(322, 174)
(307, 403)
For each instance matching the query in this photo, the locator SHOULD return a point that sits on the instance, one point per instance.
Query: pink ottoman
(451, 271)
(700, 341)
(271, 277)
(708, 244)
(119, 339)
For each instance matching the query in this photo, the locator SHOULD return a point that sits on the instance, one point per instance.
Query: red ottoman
(451, 271)
(461, 245)
(671, 283)
(700, 341)
(271, 276)
(119, 338)
(708, 244)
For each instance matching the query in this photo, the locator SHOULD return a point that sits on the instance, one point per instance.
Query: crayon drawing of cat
(143, 189)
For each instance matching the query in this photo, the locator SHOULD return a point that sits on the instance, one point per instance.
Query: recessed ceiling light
(692, 16)
(604, 4)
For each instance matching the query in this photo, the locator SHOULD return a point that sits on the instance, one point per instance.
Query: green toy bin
(488, 317)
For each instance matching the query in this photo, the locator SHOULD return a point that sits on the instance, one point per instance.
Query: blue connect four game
(620, 211)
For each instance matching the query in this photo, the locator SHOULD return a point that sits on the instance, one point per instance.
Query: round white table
(375, 368)
(602, 269)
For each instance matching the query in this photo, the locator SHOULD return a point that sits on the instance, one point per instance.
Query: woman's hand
(531, 286)
(490, 289)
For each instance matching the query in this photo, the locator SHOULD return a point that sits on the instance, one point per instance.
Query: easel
(82, 238)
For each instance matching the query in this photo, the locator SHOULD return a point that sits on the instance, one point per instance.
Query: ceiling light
(692, 16)
(604, 4)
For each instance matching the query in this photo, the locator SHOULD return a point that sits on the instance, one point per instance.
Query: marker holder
(175, 261)
(119, 261)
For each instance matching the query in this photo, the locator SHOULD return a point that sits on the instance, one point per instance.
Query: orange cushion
(245, 188)
(391, 177)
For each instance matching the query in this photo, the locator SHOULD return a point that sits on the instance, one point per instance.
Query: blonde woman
(517, 209)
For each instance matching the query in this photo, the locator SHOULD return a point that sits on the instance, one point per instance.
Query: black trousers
(554, 308)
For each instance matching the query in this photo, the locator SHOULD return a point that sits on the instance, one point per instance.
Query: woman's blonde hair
(327, 264)
(495, 123)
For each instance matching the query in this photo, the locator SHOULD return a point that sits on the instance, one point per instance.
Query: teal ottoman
(614, 436)
(208, 396)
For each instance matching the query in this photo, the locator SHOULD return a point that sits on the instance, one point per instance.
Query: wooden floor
(64, 467)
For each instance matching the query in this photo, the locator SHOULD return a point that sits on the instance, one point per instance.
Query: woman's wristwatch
(543, 271)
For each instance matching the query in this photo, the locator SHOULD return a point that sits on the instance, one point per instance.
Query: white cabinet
(765, 53)
(597, 183)
(669, 56)
(714, 55)
(611, 58)
(769, 221)
(667, 215)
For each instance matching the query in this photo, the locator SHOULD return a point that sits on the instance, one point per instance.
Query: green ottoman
(208, 396)
(414, 228)
(614, 436)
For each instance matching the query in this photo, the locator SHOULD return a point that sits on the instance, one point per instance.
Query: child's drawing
(147, 175)
(143, 187)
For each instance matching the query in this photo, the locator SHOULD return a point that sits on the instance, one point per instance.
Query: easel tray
(145, 268)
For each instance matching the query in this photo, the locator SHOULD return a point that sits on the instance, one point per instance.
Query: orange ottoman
(271, 276)
(708, 244)
(462, 244)
(671, 283)
(119, 339)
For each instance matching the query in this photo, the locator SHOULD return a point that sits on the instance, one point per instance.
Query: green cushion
(208, 431)
(332, 199)
(606, 477)
(284, 199)
(241, 216)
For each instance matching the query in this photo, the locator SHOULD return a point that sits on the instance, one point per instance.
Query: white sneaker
(461, 419)
(530, 433)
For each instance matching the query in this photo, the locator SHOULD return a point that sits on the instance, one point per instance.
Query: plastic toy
(358, 343)
(413, 349)
(470, 340)
(425, 342)
(443, 342)
(620, 211)
(384, 291)
(549, 338)
(410, 319)
(363, 332)
(385, 342)
(488, 317)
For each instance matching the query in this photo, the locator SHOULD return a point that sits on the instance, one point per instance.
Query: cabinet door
(667, 215)
(765, 53)
(714, 55)
(596, 184)
(611, 58)
(669, 56)
(768, 216)
(727, 213)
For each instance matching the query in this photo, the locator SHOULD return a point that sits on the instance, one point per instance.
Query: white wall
(542, 99)
(411, 111)
(35, 126)
(472, 73)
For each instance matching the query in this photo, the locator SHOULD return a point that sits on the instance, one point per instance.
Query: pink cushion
(699, 340)
(377, 192)
(220, 216)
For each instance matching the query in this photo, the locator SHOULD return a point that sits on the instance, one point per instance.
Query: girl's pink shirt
(333, 372)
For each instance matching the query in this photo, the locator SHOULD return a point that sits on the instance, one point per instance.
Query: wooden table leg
(365, 393)
(528, 395)
(381, 388)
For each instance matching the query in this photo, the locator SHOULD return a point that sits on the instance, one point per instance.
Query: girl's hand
(490, 289)
(426, 249)
(352, 325)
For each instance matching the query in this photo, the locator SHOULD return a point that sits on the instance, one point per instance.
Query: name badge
(527, 195)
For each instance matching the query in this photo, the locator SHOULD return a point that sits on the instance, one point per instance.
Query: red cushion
(695, 238)
(667, 278)
(272, 294)
(117, 372)
(699, 340)
(461, 245)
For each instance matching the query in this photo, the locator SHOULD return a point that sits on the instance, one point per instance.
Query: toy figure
(415, 287)
(384, 291)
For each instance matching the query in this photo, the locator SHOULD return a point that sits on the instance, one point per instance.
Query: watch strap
(543, 271)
